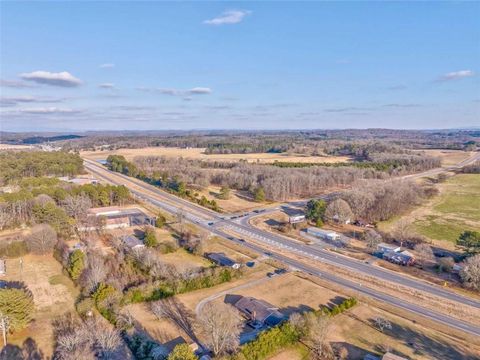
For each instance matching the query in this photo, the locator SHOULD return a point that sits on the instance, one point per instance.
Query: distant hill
(42, 139)
(18, 139)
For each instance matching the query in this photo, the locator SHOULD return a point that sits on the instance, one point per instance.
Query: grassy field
(54, 294)
(448, 157)
(445, 217)
(199, 153)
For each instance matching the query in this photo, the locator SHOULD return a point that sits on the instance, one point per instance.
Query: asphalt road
(217, 224)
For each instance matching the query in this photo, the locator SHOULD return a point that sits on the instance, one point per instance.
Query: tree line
(276, 183)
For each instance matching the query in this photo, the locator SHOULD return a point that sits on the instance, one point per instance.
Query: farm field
(448, 157)
(199, 153)
(450, 213)
(15, 147)
(54, 295)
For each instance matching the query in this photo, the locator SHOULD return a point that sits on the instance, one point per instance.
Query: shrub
(17, 305)
(14, 249)
(161, 221)
(84, 306)
(106, 298)
(270, 341)
(340, 308)
(150, 238)
(182, 352)
(76, 264)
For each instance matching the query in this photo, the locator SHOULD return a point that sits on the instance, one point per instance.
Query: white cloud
(106, 66)
(49, 110)
(15, 100)
(228, 17)
(178, 92)
(15, 84)
(199, 90)
(455, 75)
(107, 86)
(64, 79)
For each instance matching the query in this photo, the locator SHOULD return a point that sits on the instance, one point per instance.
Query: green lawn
(435, 228)
(462, 198)
(457, 209)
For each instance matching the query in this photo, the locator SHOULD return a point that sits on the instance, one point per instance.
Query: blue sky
(239, 65)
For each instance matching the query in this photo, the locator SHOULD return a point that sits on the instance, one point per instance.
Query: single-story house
(259, 313)
(132, 242)
(401, 258)
(222, 260)
(323, 234)
(384, 247)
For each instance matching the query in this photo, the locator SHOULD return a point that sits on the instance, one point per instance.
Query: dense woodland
(20, 164)
(62, 205)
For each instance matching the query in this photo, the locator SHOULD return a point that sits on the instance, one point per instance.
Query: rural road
(217, 224)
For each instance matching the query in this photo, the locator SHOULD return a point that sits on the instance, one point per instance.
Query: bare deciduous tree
(5, 216)
(470, 273)
(77, 206)
(43, 199)
(106, 338)
(372, 239)
(339, 211)
(318, 328)
(425, 253)
(382, 323)
(95, 272)
(42, 239)
(402, 230)
(298, 322)
(221, 324)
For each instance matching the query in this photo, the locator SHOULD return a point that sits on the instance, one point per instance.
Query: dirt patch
(184, 261)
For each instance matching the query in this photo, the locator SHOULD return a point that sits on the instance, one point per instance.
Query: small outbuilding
(132, 242)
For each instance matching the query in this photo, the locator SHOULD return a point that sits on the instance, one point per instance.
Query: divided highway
(218, 225)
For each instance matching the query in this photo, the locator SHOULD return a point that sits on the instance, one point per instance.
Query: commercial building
(113, 217)
(323, 234)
